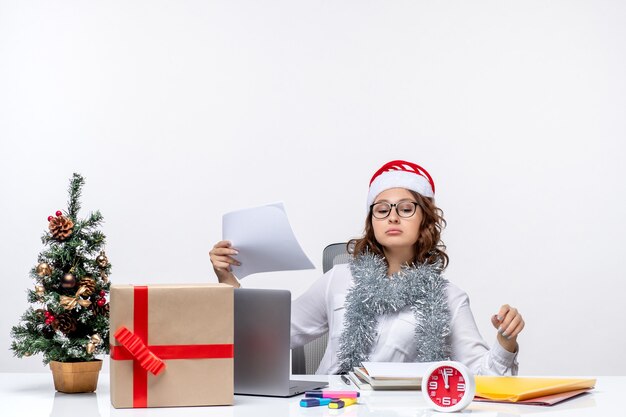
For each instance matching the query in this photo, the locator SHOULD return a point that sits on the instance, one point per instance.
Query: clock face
(446, 386)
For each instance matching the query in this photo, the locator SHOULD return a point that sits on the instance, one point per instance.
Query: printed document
(264, 239)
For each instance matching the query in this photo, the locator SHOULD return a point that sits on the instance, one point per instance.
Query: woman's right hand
(221, 258)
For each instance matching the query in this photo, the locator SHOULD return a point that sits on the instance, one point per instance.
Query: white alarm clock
(448, 386)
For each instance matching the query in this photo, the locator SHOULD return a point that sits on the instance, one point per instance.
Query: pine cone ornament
(60, 227)
(90, 285)
(100, 310)
(65, 323)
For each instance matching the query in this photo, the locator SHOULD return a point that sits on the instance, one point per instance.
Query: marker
(342, 402)
(314, 402)
(332, 394)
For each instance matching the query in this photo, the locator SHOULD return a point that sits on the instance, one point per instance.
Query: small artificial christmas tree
(71, 286)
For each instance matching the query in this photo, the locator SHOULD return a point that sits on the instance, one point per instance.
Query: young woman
(391, 302)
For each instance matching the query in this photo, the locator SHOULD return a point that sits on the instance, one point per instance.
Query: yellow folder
(513, 388)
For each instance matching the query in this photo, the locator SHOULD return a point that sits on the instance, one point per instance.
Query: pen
(345, 379)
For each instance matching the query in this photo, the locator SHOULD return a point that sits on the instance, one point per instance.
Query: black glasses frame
(390, 205)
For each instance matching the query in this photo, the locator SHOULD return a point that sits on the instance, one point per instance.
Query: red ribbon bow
(147, 360)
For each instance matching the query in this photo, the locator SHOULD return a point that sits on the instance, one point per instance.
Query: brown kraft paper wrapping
(200, 314)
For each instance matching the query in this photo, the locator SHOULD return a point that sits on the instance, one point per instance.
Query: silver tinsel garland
(419, 287)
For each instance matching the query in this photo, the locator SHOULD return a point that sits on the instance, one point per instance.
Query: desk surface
(28, 394)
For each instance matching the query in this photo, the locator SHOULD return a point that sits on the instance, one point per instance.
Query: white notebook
(390, 375)
(395, 370)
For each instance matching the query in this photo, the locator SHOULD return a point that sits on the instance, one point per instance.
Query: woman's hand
(509, 323)
(221, 259)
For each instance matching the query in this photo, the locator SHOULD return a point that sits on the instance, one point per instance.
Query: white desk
(27, 394)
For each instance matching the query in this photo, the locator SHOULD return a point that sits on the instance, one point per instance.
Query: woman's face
(395, 231)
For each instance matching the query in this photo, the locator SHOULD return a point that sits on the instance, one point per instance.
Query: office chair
(306, 359)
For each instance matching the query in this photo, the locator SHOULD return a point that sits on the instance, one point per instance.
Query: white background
(178, 111)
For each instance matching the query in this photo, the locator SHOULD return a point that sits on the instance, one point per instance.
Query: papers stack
(524, 390)
(389, 375)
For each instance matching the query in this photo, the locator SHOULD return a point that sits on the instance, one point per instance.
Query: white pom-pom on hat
(400, 174)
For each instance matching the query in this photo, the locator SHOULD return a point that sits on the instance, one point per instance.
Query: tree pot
(72, 377)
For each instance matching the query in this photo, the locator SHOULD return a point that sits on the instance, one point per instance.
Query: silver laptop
(262, 338)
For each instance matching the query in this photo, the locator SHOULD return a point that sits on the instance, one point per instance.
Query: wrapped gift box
(171, 345)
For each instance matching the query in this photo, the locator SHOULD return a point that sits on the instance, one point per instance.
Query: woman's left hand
(509, 323)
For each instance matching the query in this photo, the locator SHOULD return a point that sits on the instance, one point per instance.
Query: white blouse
(322, 308)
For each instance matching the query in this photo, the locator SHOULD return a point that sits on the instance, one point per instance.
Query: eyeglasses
(404, 209)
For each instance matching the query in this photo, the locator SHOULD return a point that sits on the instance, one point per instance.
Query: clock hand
(445, 378)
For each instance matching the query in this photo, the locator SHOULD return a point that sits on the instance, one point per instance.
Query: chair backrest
(306, 359)
(335, 254)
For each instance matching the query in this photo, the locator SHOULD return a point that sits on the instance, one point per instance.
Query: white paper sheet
(396, 369)
(264, 239)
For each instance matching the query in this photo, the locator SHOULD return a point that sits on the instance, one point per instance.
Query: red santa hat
(400, 174)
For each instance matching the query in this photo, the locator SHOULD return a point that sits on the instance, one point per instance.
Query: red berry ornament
(101, 302)
(102, 293)
(50, 218)
(58, 213)
(49, 318)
